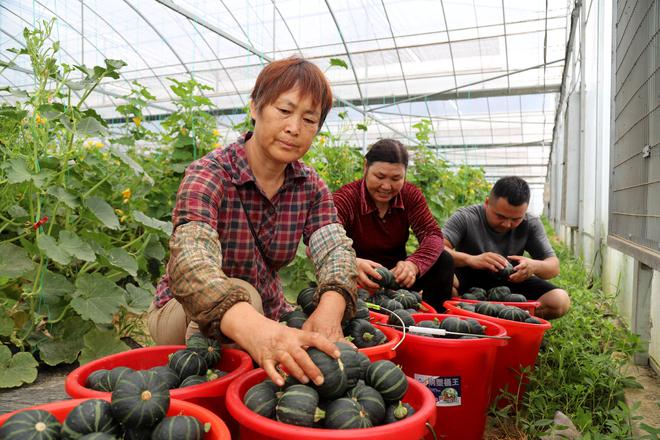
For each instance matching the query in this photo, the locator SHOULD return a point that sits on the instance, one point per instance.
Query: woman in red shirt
(378, 212)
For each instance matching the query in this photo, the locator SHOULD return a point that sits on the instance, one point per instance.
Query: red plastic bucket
(459, 372)
(210, 395)
(529, 306)
(256, 427)
(383, 351)
(519, 353)
(218, 431)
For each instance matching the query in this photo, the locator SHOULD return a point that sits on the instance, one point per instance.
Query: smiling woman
(239, 216)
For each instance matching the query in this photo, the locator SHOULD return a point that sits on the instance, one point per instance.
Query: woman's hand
(272, 344)
(365, 269)
(405, 273)
(326, 319)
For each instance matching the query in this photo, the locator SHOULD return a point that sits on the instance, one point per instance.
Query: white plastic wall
(589, 80)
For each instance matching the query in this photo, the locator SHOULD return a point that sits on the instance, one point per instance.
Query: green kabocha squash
(187, 363)
(137, 434)
(295, 318)
(298, 405)
(35, 424)
(116, 374)
(515, 297)
(478, 292)
(193, 380)
(351, 362)
(379, 336)
(306, 300)
(391, 305)
(387, 379)
(498, 293)
(335, 381)
(363, 294)
(371, 402)
(213, 374)
(94, 415)
(364, 364)
(140, 400)
(475, 327)
(486, 308)
(403, 316)
(99, 380)
(98, 436)
(346, 413)
(362, 333)
(407, 299)
(361, 310)
(513, 314)
(504, 273)
(178, 428)
(289, 380)
(469, 296)
(398, 411)
(209, 348)
(454, 324)
(532, 320)
(386, 280)
(262, 398)
(466, 306)
(166, 375)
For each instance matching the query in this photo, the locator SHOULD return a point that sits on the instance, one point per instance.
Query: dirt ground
(648, 396)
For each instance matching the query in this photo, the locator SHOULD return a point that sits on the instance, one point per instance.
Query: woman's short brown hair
(283, 75)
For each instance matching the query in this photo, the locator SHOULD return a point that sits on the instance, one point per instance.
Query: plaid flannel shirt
(212, 239)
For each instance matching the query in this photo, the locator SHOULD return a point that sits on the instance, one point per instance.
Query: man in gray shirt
(482, 237)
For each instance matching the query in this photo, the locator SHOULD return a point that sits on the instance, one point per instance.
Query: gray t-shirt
(468, 231)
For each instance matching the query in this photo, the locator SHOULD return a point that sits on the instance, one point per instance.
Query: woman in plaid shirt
(239, 216)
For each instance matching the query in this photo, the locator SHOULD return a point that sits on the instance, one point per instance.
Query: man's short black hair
(513, 188)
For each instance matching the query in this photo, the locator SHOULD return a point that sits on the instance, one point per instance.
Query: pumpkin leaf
(154, 249)
(73, 245)
(49, 246)
(338, 62)
(136, 167)
(90, 126)
(60, 193)
(97, 299)
(138, 299)
(14, 261)
(99, 343)
(121, 259)
(18, 171)
(153, 223)
(17, 369)
(103, 211)
(6, 325)
(58, 351)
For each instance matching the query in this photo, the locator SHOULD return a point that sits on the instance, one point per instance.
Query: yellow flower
(216, 132)
(119, 212)
(216, 145)
(184, 131)
(137, 121)
(126, 194)
(39, 119)
(122, 219)
(322, 140)
(98, 144)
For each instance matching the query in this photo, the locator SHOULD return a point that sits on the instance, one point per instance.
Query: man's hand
(525, 269)
(365, 269)
(455, 286)
(405, 273)
(488, 260)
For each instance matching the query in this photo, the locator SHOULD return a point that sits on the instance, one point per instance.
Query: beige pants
(169, 324)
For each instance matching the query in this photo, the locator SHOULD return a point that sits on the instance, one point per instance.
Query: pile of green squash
(470, 326)
(186, 367)
(357, 330)
(356, 393)
(499, 293)
(501, 311)
(137, 411)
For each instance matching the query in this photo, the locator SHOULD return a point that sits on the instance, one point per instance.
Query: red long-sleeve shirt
(383, 240)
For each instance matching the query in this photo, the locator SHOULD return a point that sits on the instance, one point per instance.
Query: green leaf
(362, 127)
(58, 351)
(6, 324)
(73, 245)
(138, 299)
(18, 171)
(342, 115)
(16, 370)
(97, 299)
(338, 62)
(49, 246)
(153, 223)
(63, 195)
(90, 126)
(55, 284)
(154, 249)
(103, 211)
(121, 259)
(99, 343)
(41, 178)
(14, 261)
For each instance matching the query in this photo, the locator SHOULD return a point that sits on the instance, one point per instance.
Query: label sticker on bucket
(447, 390)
